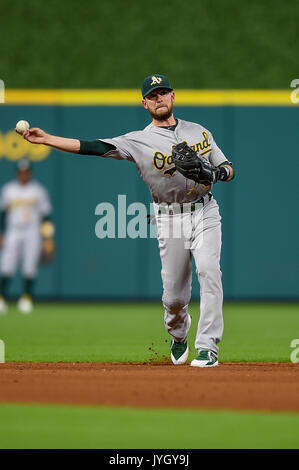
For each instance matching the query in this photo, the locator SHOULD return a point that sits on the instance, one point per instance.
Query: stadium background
(260, 255)
(200, 46)
(205, 46)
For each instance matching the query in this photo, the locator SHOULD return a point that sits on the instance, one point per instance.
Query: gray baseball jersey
(150, 149)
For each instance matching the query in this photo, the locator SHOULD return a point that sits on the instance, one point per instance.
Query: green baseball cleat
(205, 359)
(179, 352)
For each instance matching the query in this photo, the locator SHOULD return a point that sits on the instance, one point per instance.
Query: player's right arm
(36, 135)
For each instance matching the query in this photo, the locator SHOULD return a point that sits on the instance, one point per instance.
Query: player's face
(24, 176)
(159, 103)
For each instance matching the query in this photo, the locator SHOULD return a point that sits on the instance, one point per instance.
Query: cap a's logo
(156, 80)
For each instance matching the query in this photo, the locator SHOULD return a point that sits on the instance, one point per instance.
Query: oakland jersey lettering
(161, 161)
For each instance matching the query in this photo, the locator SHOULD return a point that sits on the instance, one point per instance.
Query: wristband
(223, 173)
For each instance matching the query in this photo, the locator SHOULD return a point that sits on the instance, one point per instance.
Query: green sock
(4, 282)
(28, 286)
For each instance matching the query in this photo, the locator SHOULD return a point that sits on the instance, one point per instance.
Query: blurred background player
(25, 220)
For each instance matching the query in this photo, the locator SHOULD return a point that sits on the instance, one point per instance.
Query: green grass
(207, 44)
(125, 332)
(120, 428)
(135, 332)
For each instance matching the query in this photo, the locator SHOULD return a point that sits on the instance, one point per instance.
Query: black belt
(193, 205)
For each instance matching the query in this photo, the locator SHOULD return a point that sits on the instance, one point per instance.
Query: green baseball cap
(153, 82)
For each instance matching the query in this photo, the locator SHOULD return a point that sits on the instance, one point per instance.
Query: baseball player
(183, 205)
(25, 210)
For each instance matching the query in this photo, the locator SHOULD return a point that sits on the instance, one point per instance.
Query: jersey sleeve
(216, 156)
(123, 148)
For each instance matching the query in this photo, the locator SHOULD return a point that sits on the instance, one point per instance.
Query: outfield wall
(259, 208)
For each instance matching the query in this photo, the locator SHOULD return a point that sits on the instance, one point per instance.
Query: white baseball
(22, 126)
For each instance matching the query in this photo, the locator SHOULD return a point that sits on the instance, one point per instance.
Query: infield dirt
(235, 385)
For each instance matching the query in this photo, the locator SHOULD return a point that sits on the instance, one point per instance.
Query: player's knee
(208, 267)
(209, 276)
(175, 305)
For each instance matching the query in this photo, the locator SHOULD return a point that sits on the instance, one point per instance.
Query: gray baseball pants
(183, 236)
(21, 244)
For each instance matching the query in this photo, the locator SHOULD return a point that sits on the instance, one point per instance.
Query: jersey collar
(163, 128)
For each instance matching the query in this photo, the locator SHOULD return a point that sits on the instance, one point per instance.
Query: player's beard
(163, 116)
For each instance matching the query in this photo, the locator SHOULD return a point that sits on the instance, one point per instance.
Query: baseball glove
(190, 165)
(48, 251)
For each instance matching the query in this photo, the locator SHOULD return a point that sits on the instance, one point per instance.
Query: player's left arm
(2, 226)
(47, 227)
(45, 206)
(225, 171)
(3, 216)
